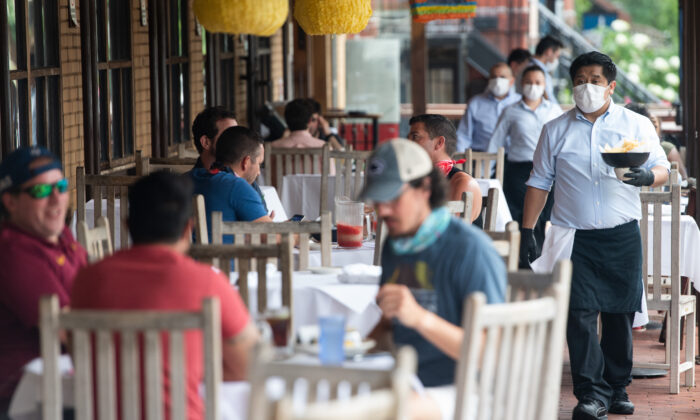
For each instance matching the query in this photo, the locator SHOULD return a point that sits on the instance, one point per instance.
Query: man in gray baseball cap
(431, 261)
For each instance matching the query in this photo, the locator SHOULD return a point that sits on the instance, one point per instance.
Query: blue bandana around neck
(429, 231)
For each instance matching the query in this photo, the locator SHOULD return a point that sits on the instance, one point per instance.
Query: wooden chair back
(511, 359)
(201, 233)
(490, 210)
(350, 167)
(508, 244)
(133, 328)
(256, 233)
(281, 161)
(97, 242)
(395, 383)
(177, 164)
(526, 284)
(463, 207)
(664, 292)
(244, 256)
(479, 164)
(113, 188)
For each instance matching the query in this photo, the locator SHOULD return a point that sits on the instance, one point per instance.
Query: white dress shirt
(588, 194)
(523, 126)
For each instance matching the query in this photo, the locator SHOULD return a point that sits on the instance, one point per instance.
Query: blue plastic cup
(331, 340)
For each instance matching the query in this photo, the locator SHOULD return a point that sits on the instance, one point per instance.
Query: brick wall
(71, 96)
(196, 67)
(141, 81)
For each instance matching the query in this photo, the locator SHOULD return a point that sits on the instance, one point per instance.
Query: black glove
(639, 177)
(528, 247)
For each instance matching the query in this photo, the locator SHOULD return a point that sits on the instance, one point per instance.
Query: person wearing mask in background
(522, 122)
(595, 223)
(479, 120)
(517, 60)
(546, 57)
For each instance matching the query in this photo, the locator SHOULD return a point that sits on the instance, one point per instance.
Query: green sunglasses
(44, 190)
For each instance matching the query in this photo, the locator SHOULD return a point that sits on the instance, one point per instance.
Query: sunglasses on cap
(44, 190)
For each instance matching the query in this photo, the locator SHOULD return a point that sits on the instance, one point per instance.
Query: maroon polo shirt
(29, 268)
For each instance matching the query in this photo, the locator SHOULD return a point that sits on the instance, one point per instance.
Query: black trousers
(599, 368)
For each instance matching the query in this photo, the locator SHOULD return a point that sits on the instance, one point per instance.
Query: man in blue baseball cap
(38, 255)
(431, 261)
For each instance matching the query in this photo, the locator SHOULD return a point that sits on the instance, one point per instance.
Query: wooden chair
(287, 161)
(244, 256)
(97, 241)
(479, 164)
(678, 306)
(349, 172)
(131, 326)
(490, 210)
(526, 285)
(201, 233)
(508, 244)
(115, 188)
(390, 404)
(511, 359)
(146, 165)
(463, 207)
(251, 232)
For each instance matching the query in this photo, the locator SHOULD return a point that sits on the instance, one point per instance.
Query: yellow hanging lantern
(321, 17)
(254, 17)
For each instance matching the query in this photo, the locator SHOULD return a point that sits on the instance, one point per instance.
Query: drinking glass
(349, 217)
(331, 340)
(280, 323)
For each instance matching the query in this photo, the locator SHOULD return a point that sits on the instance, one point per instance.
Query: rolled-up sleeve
(543, 163)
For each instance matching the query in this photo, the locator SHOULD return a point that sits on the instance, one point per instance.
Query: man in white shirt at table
(597, 215)
(431, 261)
(477, 123)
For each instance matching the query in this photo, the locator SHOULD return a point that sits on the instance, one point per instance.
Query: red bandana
(447, 165)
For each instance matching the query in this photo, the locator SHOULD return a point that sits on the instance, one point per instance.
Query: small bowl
(625, 160)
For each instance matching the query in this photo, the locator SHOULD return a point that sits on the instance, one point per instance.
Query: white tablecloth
(340, 257)
(301, 194)
(233, 396)
(316, 295)
(690, 248)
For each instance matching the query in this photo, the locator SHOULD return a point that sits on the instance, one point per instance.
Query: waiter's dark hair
(638, 108)
(546, 43)
(438, 187)
(436, 126)
(594, 58)
(518, 55)
(532, 68)
(160, 205)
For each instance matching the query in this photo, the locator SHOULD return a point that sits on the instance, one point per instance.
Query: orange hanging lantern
(322, 17)
(254, 17)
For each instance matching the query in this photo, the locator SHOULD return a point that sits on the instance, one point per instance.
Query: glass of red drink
(280, 323)
(349, 217)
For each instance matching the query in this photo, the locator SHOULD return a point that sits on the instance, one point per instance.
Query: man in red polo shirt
(38, 255)
(156, 274)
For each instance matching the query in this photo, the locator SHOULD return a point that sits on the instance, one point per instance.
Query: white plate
(350, 351)
(325, 270)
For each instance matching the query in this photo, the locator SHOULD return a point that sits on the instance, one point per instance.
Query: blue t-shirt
(460, 262)
(231, 195)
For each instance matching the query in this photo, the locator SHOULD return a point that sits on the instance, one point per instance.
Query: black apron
(515, 175)
(607, 269)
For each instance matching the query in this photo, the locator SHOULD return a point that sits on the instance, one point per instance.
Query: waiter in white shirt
(477, 123)
(522, 122)
(600, 214)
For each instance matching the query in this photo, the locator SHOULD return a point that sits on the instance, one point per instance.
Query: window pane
(128, 138)
(12, 35)
(103, 95)
(15, 125)
(119, 30)
(178, 28)
(39, 112)
(53, 129)
(43, 33)
(22, 110)
(102, 28)
(116, 111)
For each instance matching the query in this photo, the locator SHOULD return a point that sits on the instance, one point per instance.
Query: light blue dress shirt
(588, 194)
(523, 126)
(549, 83)
(478, 122)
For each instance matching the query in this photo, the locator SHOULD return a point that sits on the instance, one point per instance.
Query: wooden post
(321, 83)
(419, 64)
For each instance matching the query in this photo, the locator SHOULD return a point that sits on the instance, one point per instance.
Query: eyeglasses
(44, 190)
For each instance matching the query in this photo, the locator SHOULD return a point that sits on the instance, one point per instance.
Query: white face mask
(533, 92)
(552, 65)
(590, 98)
(499, 86)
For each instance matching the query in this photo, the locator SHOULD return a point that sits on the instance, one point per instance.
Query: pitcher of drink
(349, 218)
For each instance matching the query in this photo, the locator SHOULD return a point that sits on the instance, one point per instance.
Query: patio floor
(650, 396)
